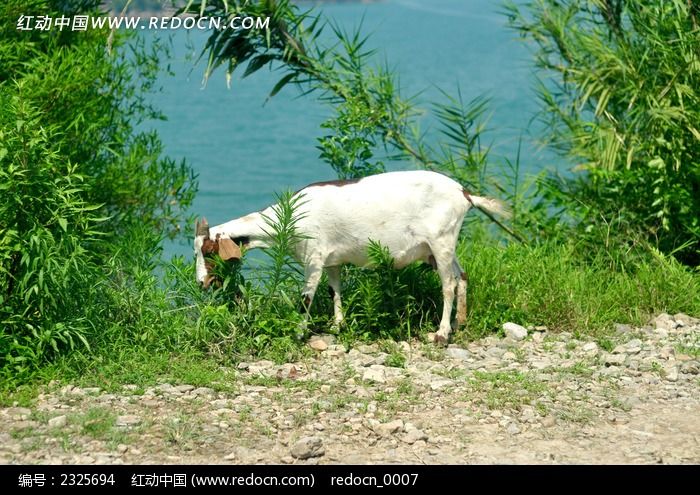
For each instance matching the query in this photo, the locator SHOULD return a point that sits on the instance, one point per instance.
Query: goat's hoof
(437, 339)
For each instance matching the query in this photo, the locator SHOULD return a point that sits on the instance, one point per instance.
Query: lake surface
(245, 150)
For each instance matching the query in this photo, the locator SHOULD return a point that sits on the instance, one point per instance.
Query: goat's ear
(229, 250)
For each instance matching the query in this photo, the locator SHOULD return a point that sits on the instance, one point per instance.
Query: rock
(287, 372)
(549, 421)
(509, 356)
(203, 391)
(515, 331)
(414, 435)
(166, 387)
(528, 414)
(540, 328)
(458, 353)
(308, 447)
(122, 448)
(622, 328)
(261, 367)
(538, 337)
(667, 352)
(390, 428)
(513, 429)
(405, 347)
(590, 348)
(318, 344)
(375, 373)
(19, 412)
(335, 350)
(665, 321)
(367, 348)
(128, 420)
(691, 367)
(184, 388)
(92, 390)
(684, 320)
(496, 352)
(634, 346)
(541, 363)
(661, 333)
(230, 457)
(614, 359)
(58, 422)
(671, 373)
(439, 383)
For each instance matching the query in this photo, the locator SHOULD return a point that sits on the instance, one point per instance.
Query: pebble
(614, 359)
(203, 391)
(458, 353)
(128, 420)
(58, 422)
(671, 373)
(387, 429)
(385, 420)
(375, 373)
(513, 429)
(318, 344)
(307, 447)
(590, 347)
(514, 331)
(414, 435)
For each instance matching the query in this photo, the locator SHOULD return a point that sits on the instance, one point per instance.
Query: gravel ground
(542, 398)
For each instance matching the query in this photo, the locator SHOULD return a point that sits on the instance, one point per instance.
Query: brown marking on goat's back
(335, 183)
(463, 276)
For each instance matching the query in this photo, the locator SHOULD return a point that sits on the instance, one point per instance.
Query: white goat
(417, 215)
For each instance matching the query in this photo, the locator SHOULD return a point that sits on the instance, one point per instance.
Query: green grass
(530, 285)
(97, 422)
(549, 285)
(505, 389)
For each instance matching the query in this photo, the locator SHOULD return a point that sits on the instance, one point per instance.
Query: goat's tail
(487, 204)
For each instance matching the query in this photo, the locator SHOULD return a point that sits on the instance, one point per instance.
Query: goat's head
(206, 248)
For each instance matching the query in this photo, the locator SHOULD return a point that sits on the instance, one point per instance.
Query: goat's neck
(252, 226)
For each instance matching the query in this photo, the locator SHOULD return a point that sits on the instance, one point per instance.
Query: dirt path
(545, 399)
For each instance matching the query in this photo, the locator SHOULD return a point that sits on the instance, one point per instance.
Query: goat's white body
(416, 215)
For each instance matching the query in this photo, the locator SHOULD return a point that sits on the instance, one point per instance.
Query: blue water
(246, 149)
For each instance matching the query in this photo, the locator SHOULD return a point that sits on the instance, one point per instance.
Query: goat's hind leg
(462, 282)
(334, 289)
(449, 286)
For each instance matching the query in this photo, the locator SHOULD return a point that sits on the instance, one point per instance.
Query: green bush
(621, 100)
(86, 199)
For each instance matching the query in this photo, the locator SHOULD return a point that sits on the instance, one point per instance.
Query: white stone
(308, 447)
(58, 422)
(514, 331)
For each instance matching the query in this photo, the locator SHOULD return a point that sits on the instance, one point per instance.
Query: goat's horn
(202, 228)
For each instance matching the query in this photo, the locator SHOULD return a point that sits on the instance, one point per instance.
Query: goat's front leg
(334, 289)
(312, 276)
